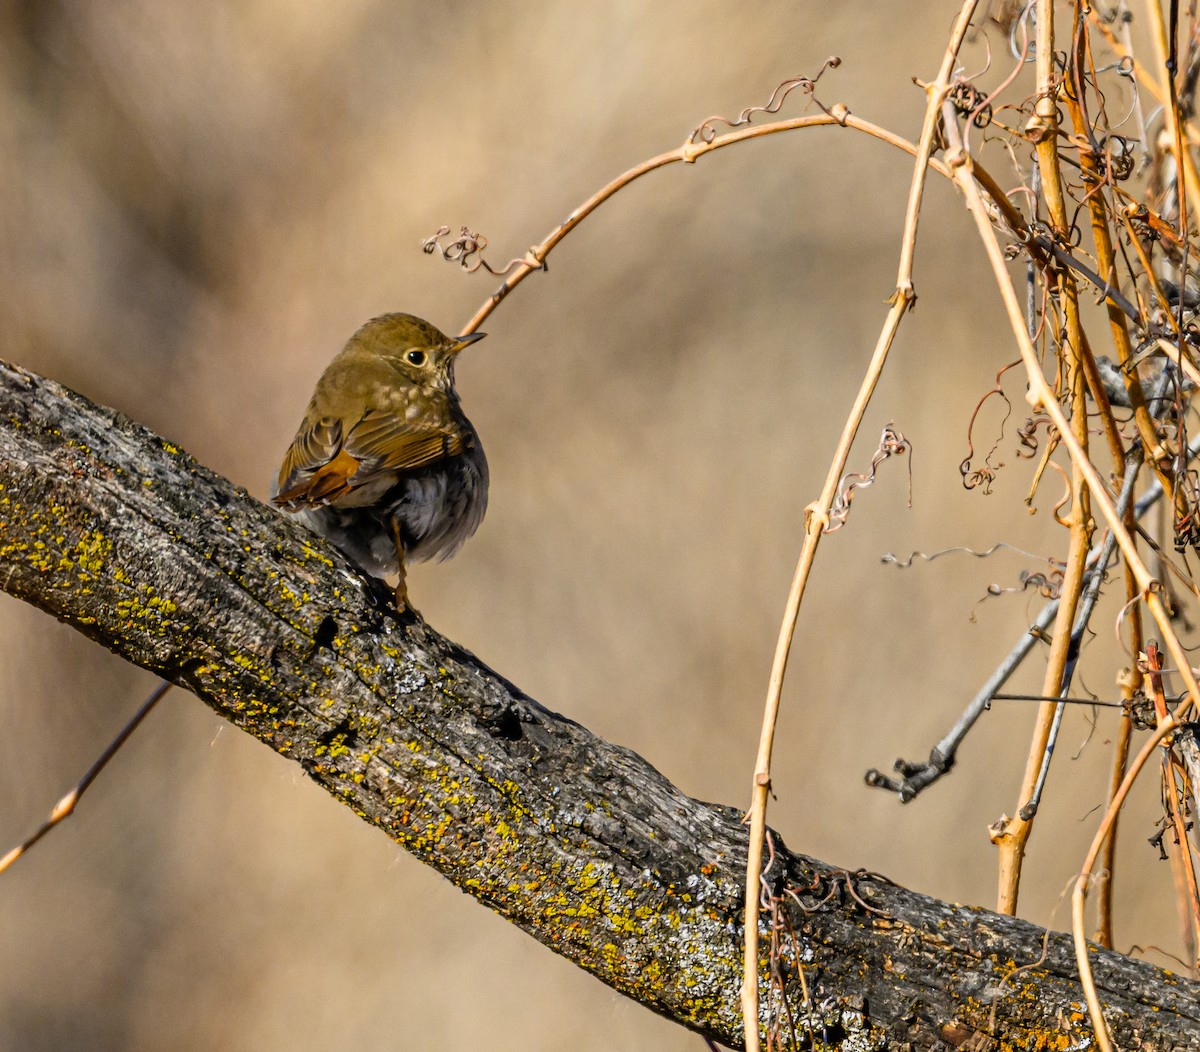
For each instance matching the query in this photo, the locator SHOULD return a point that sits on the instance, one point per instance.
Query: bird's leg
(402, 584)
(402, 591)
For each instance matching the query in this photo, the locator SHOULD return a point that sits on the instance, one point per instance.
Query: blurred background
(198, 205)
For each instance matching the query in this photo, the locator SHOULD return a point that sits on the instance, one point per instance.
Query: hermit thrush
(386, 464)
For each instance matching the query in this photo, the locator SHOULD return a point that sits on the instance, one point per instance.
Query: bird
(386, 464)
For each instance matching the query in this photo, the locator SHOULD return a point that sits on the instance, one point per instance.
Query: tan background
(199, 203)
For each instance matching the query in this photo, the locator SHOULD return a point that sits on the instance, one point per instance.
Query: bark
(581, 843)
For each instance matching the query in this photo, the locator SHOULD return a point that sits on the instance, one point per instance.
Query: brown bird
(386, 465)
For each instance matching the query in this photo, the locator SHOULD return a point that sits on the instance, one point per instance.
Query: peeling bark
(580, 843)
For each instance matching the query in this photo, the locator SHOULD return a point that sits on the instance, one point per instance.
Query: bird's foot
(403, 606)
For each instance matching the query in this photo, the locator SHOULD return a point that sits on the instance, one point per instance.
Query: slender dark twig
(66, 806)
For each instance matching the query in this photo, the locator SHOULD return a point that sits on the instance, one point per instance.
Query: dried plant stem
(1130, 683)
(1187, 182)
(1121, 51)
(1079, 896)
(1140, 74)
(1139, 250)
(1184, 907)
(1106, 258)
(1185, 873)
(1182, 359)
(1176, 353)
(918, 777)
(836, 116)
(1012, 836)
(1095, 388)
(1041, 395)
(817, 519)
(1185, 164)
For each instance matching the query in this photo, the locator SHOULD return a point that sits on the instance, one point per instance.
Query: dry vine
(1103, 207)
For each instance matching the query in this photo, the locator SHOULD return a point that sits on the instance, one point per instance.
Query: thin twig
(916, 777)
(66, 806)
(1091, 594)
(1131, 685)
(835, 116)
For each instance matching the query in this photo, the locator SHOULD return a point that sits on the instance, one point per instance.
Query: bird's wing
(391, 442)
(313, 452)
(323, 464)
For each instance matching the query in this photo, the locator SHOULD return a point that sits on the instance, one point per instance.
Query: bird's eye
(416, 357)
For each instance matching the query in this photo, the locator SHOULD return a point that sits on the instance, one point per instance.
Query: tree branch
(581, 843)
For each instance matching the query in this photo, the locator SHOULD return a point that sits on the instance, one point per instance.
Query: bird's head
(417, 349)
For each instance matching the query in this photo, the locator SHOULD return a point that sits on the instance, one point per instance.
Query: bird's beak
(464, 341)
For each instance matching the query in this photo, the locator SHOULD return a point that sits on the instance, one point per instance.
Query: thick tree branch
(579, 842)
